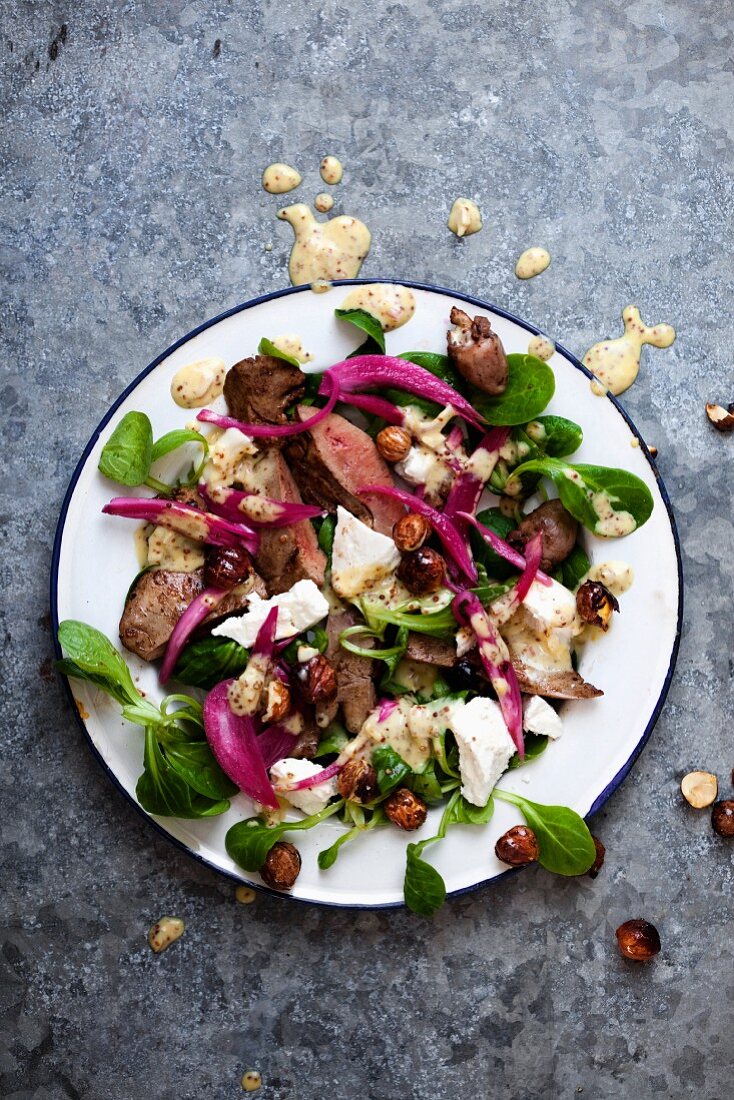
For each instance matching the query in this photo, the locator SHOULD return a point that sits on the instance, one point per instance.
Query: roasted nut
(722, 818)
(277, 701)
(599, 860)
(405, 809)
(165, 932)
(699, 789)
(638, 940)
(357, 781)
(394, 443)
(226, 566)
(410, 532)
(558, 528)
(721, 418)
(653, 451)
(282, 866)
(477, 352)
(595, 604)
(317, 679)
(422, 571)
(518, 846)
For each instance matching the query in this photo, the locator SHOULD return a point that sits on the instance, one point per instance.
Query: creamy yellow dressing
(291, 344)
(532, 262)
(323, 202)
(170, 550)
(413, 745)
(617, 576)
(323, 251)
(320, 286)
(331, 170)
(278, 179)
(416, 676)
(428, 430)
(616, 363)
(199, 383)
(541, 347)
(243, 694)
(140, 541)
(465, 218)
(391, 305)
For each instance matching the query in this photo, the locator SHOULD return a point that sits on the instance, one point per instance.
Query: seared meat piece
(286, 554)
(159, 598)
(307, 742)
(260, 389)
(433, 651)
(555, 685)
(355, 689)
(477, 352)
(558, 528)
(333, 461)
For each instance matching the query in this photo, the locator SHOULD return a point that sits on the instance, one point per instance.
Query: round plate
(94, 561)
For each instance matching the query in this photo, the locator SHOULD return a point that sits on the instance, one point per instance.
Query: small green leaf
(424, 889)
(499, 524)
(327, 527)
(171, 441)
(572, 571)
(535, 746)
(363, 320)
(92, 653)
(390, 767)
(194, 762)
(335, 740)
(267, 347)
(530, 387)
(566, 845)
(127, 455)
(161, 791)
(427, 786)
(206, 662)
(555, 435)
(249, 841)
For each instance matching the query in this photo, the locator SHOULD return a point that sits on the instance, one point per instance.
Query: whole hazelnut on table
(317, 679)
(282, 866)
(422, 571)
(638, 940)
(394, 443)
(405, 809)
(517, 846)
(410, 532)
(595, 604)
(722, 818)
(357, 781)
(699, 789)
(226, 566)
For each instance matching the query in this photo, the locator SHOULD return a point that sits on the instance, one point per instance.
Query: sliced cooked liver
(555, 685)
(259, 390)
(355, 687)
(433, 651)
(286, 554)
(333, 461)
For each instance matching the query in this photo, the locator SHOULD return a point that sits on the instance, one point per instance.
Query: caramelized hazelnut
(599, 860)
(595, 604)
(277, 701)
(357, 781)
(410, 532)
(422, 571)
(405, 809)
(282, 866)
(393, 443)
(638, 940)
(518, 846)
(722, 818)
(721, 418)
(226, 566)
(317, 679)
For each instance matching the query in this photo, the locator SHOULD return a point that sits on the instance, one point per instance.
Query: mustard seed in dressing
(198, 383)
(541, 347)
(278, 179)
(323, 251)
(616, 363)
(323, 203)
(532, 262)
(464, 218)
(331, 170)
(391, 305)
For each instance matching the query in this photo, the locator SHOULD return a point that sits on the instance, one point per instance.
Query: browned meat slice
(433, 651)
(156, 602)
(556, 685)
(558, 528)
(355, 689)
(333, 461)
(286, 554)
(307, 742)
(260, 389)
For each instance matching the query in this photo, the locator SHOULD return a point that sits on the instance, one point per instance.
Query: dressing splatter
(291, 344)
(465, 218)
(323, 251)
(616, 363)
(532, 262)
(278, 179)
(541, 347)
(331, 170)
(199, 383)
(323, 203)
(392, 305)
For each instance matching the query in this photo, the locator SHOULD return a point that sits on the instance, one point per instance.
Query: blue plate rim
(251, 304)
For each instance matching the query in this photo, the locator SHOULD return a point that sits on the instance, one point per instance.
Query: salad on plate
(367, 591)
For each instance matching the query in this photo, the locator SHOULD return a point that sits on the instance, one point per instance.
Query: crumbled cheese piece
(306, 653)
(303, 606)
(485, 747)
(360, 557)
(550, 608)
(311, 799)
(540, 717)
(226, 454)
(466, 640)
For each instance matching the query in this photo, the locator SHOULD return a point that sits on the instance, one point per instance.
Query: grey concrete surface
(135, 135)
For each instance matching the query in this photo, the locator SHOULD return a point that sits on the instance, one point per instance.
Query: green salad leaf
(127, 454)
(391, 769)
(267, 347)
(554, 435)
(566, 845)
(573, 570)
(249, 841)
(531, 385)
(423, 887)
(361, 319)
(205, 662)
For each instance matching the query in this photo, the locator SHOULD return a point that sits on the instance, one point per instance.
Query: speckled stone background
(135, 134)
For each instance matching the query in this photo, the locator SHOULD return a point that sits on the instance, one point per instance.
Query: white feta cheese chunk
(466, 640)
(485, 747)
(417, 466)
(360, 557)
(298, 609)
(550, 608)
(226, 454)
(538, 716)
(311, 799)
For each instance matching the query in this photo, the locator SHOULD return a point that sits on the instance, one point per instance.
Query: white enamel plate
(95, 560)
